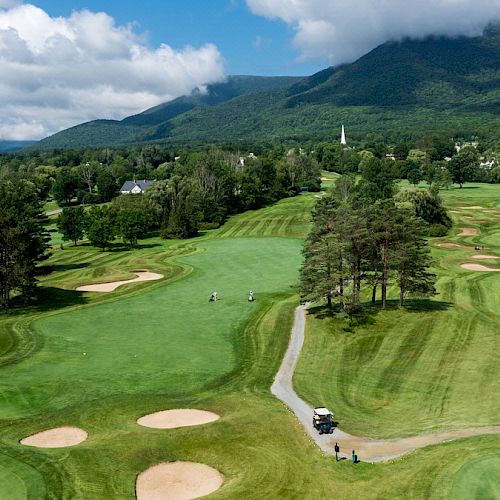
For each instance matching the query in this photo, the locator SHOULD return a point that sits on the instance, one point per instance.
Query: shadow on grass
(48, 299)
(365, 313)
(45, 270)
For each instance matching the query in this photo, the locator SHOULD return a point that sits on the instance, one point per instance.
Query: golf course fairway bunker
(59, 437)
(479, 267)
(171, 419)
(468, 231)
(142, 275)
(451, 245)
(485, 257)
(177, 481)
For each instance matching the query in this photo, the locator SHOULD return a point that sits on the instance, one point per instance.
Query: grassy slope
(414, 370)
(257, 444)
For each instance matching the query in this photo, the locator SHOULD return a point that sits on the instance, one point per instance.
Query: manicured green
(478, 479)
(228, 353)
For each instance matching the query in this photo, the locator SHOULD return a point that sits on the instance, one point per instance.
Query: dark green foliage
(71, 223)
(438, 230)
(132, 225)
(101, 226)
(413, 171)
(358, 239)
(23, 238)
(377, 181)
(65, 186)
(107, 187)
(464, 166)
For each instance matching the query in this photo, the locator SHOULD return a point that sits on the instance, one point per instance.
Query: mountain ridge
(448, 85)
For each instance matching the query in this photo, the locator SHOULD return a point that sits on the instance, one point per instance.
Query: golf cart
(323, 420)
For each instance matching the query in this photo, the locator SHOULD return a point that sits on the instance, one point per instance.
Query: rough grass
(257, 444)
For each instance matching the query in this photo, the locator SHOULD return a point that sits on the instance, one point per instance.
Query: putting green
(169, 339)
(478, 478)
(19, 481)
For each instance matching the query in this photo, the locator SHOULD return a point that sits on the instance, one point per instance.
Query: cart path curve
(368, 450)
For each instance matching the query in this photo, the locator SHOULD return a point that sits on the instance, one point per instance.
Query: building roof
(143, 184)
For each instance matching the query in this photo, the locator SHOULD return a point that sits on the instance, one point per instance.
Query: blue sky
(67, 62)
(250, 44)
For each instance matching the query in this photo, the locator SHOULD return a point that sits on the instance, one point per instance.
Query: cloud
(60, 71)
(339, 31)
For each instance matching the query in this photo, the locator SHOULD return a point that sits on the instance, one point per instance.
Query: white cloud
(339, 31)
(57, 72)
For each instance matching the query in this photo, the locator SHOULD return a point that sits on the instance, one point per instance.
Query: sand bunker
(171, 419)
(473, 207)
(112, 286)
(468, 231)
(478, 267)
(59, 437)
(451, 245)
(485, 257)
(177, 481)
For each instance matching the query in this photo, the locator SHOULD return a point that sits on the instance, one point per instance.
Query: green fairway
(161, 345)
(151, 342)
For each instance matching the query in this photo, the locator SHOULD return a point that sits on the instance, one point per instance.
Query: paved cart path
(369, 450)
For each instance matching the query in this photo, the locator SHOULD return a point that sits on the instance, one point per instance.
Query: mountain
(399, 89)
(152, 124)
(6, 146)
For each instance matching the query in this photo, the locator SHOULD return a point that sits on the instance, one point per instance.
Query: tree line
(365, 235)
(198, 191)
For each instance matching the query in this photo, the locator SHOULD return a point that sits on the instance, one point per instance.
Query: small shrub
(437, 230)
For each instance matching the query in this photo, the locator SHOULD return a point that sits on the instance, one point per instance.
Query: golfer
(337, 450)
(250, 296)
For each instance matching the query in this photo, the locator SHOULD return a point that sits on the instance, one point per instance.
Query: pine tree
(23, 238)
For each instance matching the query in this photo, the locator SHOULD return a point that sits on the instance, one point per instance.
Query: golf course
(100, 361)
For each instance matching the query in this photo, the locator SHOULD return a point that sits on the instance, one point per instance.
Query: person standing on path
(354, 457)
(337, 450)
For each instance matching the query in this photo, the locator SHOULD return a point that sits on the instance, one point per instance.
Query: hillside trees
(23, 238)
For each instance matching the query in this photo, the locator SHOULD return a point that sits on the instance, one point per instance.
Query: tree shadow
(50, 268)
(48, 298)
(51, 298)
(365, 313)
(427, 305)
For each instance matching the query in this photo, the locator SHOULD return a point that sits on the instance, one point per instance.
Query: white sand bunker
(478, 267)
(171, 419)
(59, 437)
(485, 257)
(472, 207)
(142, 275)
(468, 231)
(451, 245)
(177, 481)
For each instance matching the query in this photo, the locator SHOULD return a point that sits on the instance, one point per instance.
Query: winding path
(369, 450)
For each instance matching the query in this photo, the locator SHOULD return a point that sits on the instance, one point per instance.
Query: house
(136, 187)
(487, 164)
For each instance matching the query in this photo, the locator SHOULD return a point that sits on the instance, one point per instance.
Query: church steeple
(342, 137)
